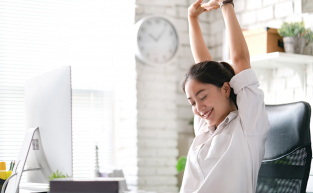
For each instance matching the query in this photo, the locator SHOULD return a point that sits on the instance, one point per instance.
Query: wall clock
(157, 40)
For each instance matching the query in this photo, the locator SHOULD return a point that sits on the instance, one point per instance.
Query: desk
(37, 188)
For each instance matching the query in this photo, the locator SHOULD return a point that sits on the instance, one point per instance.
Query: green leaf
(56, 175)
(181, 163)
(308, 35)
(292, 29)
(191, 121)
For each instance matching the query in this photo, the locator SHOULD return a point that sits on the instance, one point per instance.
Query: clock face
(157, 40)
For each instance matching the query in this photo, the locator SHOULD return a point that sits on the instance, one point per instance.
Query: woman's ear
(226, 89)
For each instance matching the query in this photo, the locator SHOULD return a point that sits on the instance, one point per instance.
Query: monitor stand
(14, 180)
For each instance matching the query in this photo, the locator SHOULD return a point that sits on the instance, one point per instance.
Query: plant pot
(308, 49)
(294, 45)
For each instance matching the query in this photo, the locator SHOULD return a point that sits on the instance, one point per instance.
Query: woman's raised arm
(199, 50)
(239, 52)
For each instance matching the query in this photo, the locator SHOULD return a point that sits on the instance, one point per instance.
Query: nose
(200, 107)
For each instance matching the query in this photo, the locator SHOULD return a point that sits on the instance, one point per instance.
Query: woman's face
(208, 101)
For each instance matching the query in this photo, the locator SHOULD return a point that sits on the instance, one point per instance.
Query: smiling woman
(231, 124)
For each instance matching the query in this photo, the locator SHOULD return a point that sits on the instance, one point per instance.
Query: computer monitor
(48, 99)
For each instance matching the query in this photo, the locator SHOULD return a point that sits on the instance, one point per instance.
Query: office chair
(286, 164)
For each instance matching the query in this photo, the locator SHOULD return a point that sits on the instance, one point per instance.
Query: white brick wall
(253, 4)
(182, 25)
(217, 26)
(297, 7)
(248, 17)
(265, 13)
(270, 2)
(283, 9)
(240, 6)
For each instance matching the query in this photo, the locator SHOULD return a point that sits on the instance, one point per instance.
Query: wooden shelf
(298, 62)
(279, 59)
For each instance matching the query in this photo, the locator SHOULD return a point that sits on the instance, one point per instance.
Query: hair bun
(228, 67)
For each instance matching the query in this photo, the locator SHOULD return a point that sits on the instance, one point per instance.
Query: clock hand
(161, 33)
(153, 37)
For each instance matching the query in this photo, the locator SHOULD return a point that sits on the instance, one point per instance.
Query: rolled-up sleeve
(250, 102)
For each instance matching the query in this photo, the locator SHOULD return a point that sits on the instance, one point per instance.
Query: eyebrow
(197, 93)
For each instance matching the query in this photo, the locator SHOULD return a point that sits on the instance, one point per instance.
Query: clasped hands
(197, 8)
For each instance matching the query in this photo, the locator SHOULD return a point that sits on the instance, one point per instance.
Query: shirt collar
(231, 116)
(228, 119)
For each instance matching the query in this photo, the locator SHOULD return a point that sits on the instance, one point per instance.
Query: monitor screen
(48, 100)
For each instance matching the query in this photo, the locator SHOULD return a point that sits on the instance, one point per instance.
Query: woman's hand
(213, 4)
(195, 9)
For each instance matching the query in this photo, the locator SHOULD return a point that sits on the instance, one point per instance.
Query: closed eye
(193, 104)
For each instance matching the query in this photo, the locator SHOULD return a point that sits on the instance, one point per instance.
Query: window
(40, 35)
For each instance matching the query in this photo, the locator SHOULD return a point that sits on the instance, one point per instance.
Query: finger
(204, 6)
(207, 6)
(197, 3)
(210, 9)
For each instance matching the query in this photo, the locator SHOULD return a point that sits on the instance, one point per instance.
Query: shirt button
(198, 168)
(198, 186)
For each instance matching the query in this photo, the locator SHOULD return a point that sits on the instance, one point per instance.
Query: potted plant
(308, 50)
(56, 175)
(181, 164)
(295, 36)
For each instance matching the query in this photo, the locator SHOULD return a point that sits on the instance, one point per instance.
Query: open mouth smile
(207, 114)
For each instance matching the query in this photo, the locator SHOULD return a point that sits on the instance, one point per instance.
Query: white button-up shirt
(228, 159)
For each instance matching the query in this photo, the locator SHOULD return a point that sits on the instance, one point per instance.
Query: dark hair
(211, 72)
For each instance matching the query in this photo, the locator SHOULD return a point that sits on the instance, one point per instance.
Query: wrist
(192, 17)
(226, 2)
(225, 8)
(227, 5)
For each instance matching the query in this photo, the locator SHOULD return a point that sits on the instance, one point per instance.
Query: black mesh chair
(286, 164)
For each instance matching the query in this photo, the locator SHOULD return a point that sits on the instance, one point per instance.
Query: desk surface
(38, 191)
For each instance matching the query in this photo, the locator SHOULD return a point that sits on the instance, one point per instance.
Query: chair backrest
(286, 164)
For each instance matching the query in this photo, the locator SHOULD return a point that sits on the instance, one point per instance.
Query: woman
(231, 123)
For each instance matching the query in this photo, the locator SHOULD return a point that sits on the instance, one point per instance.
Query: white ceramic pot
(294, 45)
